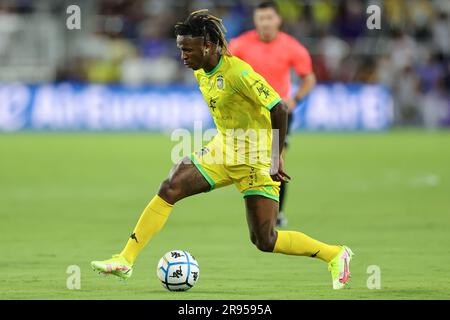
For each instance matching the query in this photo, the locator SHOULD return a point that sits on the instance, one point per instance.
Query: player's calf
(170, 191)
(264, 243)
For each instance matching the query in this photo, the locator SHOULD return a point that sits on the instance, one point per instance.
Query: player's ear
(209, 48)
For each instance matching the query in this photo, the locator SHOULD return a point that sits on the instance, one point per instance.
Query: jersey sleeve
(255, 88)
(300, 58)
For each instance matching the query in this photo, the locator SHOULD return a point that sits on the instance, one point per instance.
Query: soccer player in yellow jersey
(251, 120)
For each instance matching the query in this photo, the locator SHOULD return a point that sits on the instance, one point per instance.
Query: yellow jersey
(239, 100)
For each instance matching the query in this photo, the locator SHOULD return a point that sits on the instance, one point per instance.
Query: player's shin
(297, 243)
(151, 221)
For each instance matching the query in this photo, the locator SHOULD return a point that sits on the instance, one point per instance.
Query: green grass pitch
(67, 199)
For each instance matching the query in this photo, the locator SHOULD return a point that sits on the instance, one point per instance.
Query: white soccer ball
(178, 270)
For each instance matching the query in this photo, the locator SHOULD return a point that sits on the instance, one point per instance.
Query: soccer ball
(178, 270)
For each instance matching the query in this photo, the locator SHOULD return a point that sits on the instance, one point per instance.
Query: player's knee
(170, 190)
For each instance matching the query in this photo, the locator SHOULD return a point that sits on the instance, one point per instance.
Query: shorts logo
(220, 82)
(202, 152)
(253, 179)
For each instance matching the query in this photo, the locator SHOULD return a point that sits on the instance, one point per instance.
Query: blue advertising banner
(72, 106)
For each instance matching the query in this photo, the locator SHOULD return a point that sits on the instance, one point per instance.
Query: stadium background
(85, 122)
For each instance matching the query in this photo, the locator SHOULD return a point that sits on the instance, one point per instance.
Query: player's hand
(281, 175)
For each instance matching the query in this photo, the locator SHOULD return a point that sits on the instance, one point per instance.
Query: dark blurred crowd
(133, 42)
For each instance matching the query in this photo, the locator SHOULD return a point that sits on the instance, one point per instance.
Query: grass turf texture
(67, 199)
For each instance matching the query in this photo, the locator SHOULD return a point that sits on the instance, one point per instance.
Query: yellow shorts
(249, 179)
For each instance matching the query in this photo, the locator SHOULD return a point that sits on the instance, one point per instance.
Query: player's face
(192, 51)
(267, 21)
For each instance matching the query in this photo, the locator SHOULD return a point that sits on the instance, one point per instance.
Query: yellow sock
(151, 221)
(299, 244)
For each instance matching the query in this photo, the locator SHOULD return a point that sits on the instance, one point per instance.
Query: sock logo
(133, 236)
(315, 254)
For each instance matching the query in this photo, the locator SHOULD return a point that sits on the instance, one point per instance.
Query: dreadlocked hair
(203, 24)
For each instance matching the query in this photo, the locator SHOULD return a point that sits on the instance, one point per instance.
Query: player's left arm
(302, 62)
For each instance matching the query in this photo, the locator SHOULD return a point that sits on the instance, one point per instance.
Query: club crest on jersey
(220, 82)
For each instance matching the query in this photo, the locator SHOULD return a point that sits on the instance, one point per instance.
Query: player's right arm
(279, 116)
(255, 87)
